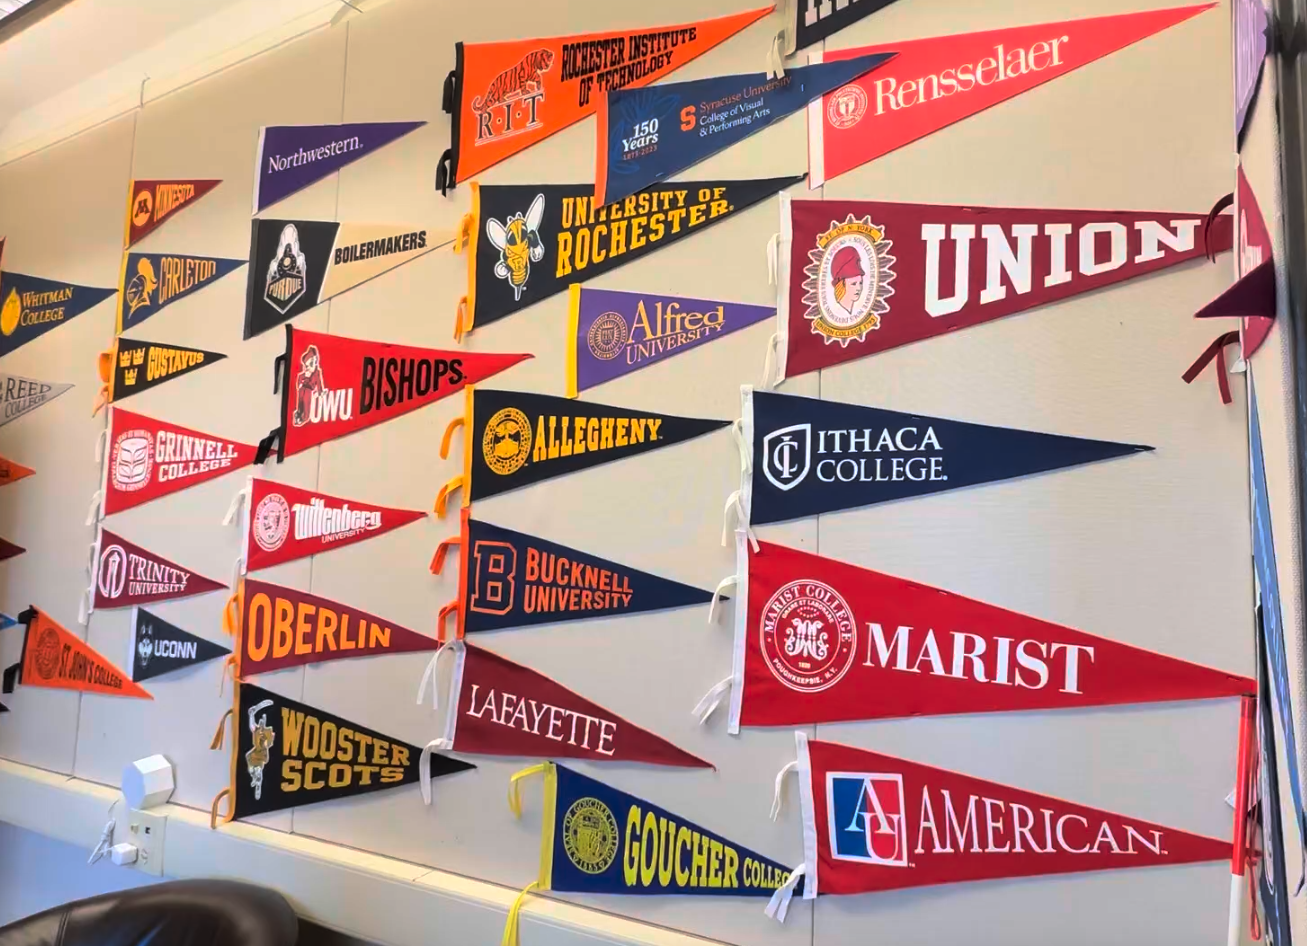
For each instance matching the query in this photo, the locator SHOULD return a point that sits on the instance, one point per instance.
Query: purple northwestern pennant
(1251, 23)
(614, 333)
(291, 157)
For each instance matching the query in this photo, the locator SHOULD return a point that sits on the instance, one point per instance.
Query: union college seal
(848, 281)
(507, 441)
(47, 654)
(808, 636)
(590, 835)
(607, 336)
(271, 522)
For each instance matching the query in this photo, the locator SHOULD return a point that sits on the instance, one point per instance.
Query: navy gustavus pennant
(131, 366)
(812, 456)
(32, 306)
(151, 281)
(159, 647)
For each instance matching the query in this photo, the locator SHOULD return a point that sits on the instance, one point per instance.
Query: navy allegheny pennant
(160, 647)
(150, 281)
(812, 456)
(516, 438)
(291, 157)
(18, 395)
(131, 366)
(32, 306)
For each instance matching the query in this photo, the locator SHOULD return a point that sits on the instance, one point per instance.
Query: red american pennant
(148, 458)
(503, 708)
(935, 82)
(54, 657)
(277, 627)
(332, 386)
(860, 277)
(124, 575)
(282, 523)
(820, 641)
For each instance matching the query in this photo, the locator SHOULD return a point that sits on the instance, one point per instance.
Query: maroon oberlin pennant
(124, 574)
(860, 277)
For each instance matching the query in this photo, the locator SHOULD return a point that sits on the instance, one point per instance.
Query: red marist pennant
(149, 458)
(125, 575)
(819, 641)
(935, 82)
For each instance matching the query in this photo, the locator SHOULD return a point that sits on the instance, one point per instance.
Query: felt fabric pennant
(19, 395)
(812, 456)
(1252, 26)
(149, 282)
(517, 438)
(286, 753)
(530, 241)
(505, 96)
(298, 264)
(151, 202)
(1255, 252)
(131, 366)
(149, 458)
(291, 157)
(502, 708)
(332, 386)
(11, 472)
(124, 575)
(8, 620)
(32, 306)
(648, 135)
(278, 627)
(159, 647)
(283, 523)
(1270, 873)
(9, 550)
(811, 21)
(613, 333)
(54, 657)
(820, 641)
(935, 82)
(857, 277)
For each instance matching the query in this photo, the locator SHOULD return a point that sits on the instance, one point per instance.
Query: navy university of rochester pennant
(32, 306)
(160, 647)
(131, 366)
(150, 281)
(812, 456)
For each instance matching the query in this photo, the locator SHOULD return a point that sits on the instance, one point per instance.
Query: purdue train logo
(519, 244)
(507, 441)
(849, 276)
(142, 284)
(288, 273)
(262, 737)
(590, 835)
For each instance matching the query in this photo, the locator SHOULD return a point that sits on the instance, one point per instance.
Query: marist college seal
(590, 835)
(849, 276)
(808, 636)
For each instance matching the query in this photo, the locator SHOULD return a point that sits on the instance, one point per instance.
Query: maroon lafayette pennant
(124, 574)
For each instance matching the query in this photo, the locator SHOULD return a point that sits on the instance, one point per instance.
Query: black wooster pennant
(159, 647)
(131, 366)
(288, 754)
(513, 439)
(814, 20)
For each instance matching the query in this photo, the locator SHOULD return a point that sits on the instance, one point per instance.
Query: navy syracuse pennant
(151, 281)
(32, 306)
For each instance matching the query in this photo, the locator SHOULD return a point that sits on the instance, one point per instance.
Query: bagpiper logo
(142, 284)
(511, 104)
(849, 276)
(867, 818)
(608, 335)
(315, 403)
(846, 106)
(519, 244)
(142, 207)
(133, 459)
(590, 835)
(262, 738)
(288, 273)
(113, 571)
(787, 456)
(506, 443)
(808, 636)
(271, 522)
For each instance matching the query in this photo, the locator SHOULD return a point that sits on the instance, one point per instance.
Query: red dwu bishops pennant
(124, 575)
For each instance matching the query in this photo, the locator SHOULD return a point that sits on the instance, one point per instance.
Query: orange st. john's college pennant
(54, 657)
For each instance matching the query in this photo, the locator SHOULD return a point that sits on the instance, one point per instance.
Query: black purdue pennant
(131, 366)
(159, 647)
(290, 754)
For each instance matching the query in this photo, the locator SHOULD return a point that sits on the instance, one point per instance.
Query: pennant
(53, 657)
(530, 241)
(516, 438)
(503, 708)
(150, 281)
(935, 82)
(812, 456)
(506, 96)
(822, 641)
(1252, 25)
(149, 458)
(11, 472)
(1269, 871)
(283, 523)
(291, 157)
(8, 620)
(860, 277)
(279, 627)
(876, 822)
(298, 264)
(150, 203)
(814, 20)
(125, 575)
(342, 385)
(131, 366)
(510, 579)
(1252, 297)
(18, 395)
(9, 550)
(648, 135)
(32, 306)
(160, 647)
(310, 755)
(614, 333)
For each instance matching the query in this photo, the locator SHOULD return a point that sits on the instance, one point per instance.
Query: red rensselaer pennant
(54, 657)
(124, 575)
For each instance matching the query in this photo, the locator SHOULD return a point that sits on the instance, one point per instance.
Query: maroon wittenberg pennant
(124, 574)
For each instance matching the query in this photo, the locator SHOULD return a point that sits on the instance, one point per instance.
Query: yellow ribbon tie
(459, 316)
(229, 614)
(101, 399)
(213, 809)
(510, 928)
(514, 789)
(454, 424)
(438, 560)
(464, 233)
(443, 496)
(222, 728)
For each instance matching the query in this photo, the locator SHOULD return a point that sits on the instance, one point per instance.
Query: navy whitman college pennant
(131, 366)
(160, 647)
(291, 157)
(32, 306)
(150, 281)
(812, 456)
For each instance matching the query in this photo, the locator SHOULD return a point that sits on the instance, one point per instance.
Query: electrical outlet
(145, 829)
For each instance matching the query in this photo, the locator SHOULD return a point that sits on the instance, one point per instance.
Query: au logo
(590, 835)
(867, 818)
(519, 244)
(288, 273)
(849, 275)
(142, 284)
(12, 312)
(507, 441)
(608, 335)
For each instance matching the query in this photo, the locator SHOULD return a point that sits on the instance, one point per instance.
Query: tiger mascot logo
(517, 82)
(519, 244)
